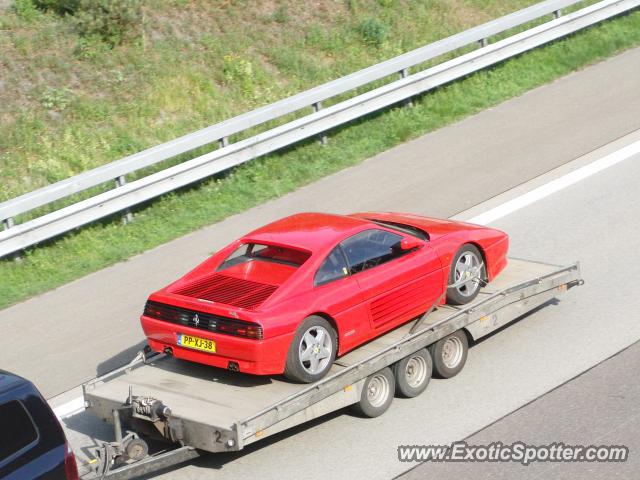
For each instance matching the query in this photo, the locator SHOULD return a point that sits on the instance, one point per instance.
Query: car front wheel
(312, 350)
(466, 275)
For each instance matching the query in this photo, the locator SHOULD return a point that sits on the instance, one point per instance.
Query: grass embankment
(66, 106)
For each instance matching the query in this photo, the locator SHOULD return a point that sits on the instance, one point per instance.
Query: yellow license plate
(197, 343)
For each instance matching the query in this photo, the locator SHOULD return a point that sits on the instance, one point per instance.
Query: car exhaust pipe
(168, 351)
(234, 367)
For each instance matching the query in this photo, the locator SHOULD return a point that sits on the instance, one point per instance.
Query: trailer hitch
(128, 455)
(128, 447)
(125, 449)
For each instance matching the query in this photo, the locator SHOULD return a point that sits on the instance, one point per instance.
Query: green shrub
(113, 21)
(110, 21)
(91, 47)
(61, 7)
(373, 31)
(238, 71)
(56, 98)
(281, 15)
(25, 9)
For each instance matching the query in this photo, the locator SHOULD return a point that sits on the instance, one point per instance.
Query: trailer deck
(217, 410)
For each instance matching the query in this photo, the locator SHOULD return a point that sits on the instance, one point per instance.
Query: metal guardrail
(17, 237)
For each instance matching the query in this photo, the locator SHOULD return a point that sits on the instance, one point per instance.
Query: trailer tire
(449, 354)
(413, 373)
(377, 394)
(295, 368)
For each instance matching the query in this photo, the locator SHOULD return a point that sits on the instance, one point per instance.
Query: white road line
(77, 404)
(70, 408)
(556, 185)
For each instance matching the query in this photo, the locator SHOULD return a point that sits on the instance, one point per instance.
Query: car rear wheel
(377, 394)
(312, 350)
(413, 373)
(466, 274)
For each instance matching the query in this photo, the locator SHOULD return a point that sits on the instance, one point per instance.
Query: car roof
(308, 231)
(9, 381)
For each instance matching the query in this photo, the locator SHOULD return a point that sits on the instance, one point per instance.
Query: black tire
(413, 373)
(445, 363)
(458, 295)
(373, 404)
(300, 370)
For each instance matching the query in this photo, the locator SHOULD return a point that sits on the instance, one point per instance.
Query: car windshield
(248, 252)
(402, 228)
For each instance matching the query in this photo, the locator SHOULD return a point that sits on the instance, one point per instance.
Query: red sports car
(291, 296)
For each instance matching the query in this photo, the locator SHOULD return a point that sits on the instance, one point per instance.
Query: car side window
(18, 430)
(333, 268)
(371, 248)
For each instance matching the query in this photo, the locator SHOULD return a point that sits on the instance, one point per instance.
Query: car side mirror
(407, 244)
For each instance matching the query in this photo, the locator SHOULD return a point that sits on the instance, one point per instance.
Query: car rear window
(402, 228)
(266, 253)
(18, 430)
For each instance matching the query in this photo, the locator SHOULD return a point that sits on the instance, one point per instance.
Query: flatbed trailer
(200, 408)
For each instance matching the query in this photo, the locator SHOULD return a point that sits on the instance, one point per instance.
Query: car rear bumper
(257, 357)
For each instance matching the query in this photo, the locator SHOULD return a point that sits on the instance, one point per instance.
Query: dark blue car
(32, 442)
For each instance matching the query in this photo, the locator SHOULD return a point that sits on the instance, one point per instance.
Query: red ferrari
(291, 296)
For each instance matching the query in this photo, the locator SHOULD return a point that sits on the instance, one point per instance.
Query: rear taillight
(151, 311)
(240, 330)
(203, 320)
(70, 465)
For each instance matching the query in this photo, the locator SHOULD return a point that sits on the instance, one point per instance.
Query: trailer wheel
(377, 394)
(449, 354)
(413, 373)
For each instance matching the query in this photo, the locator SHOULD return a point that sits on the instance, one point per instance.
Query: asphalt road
(524, 361)
(600, 407)
(94, 320)
(90, 326)
(505, 371)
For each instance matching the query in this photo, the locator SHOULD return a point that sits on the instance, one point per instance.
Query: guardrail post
(223, 142)
(316, 108)
(8, 223)
(484, 42)
(557, 13)
(404, 73)
(128, 216)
